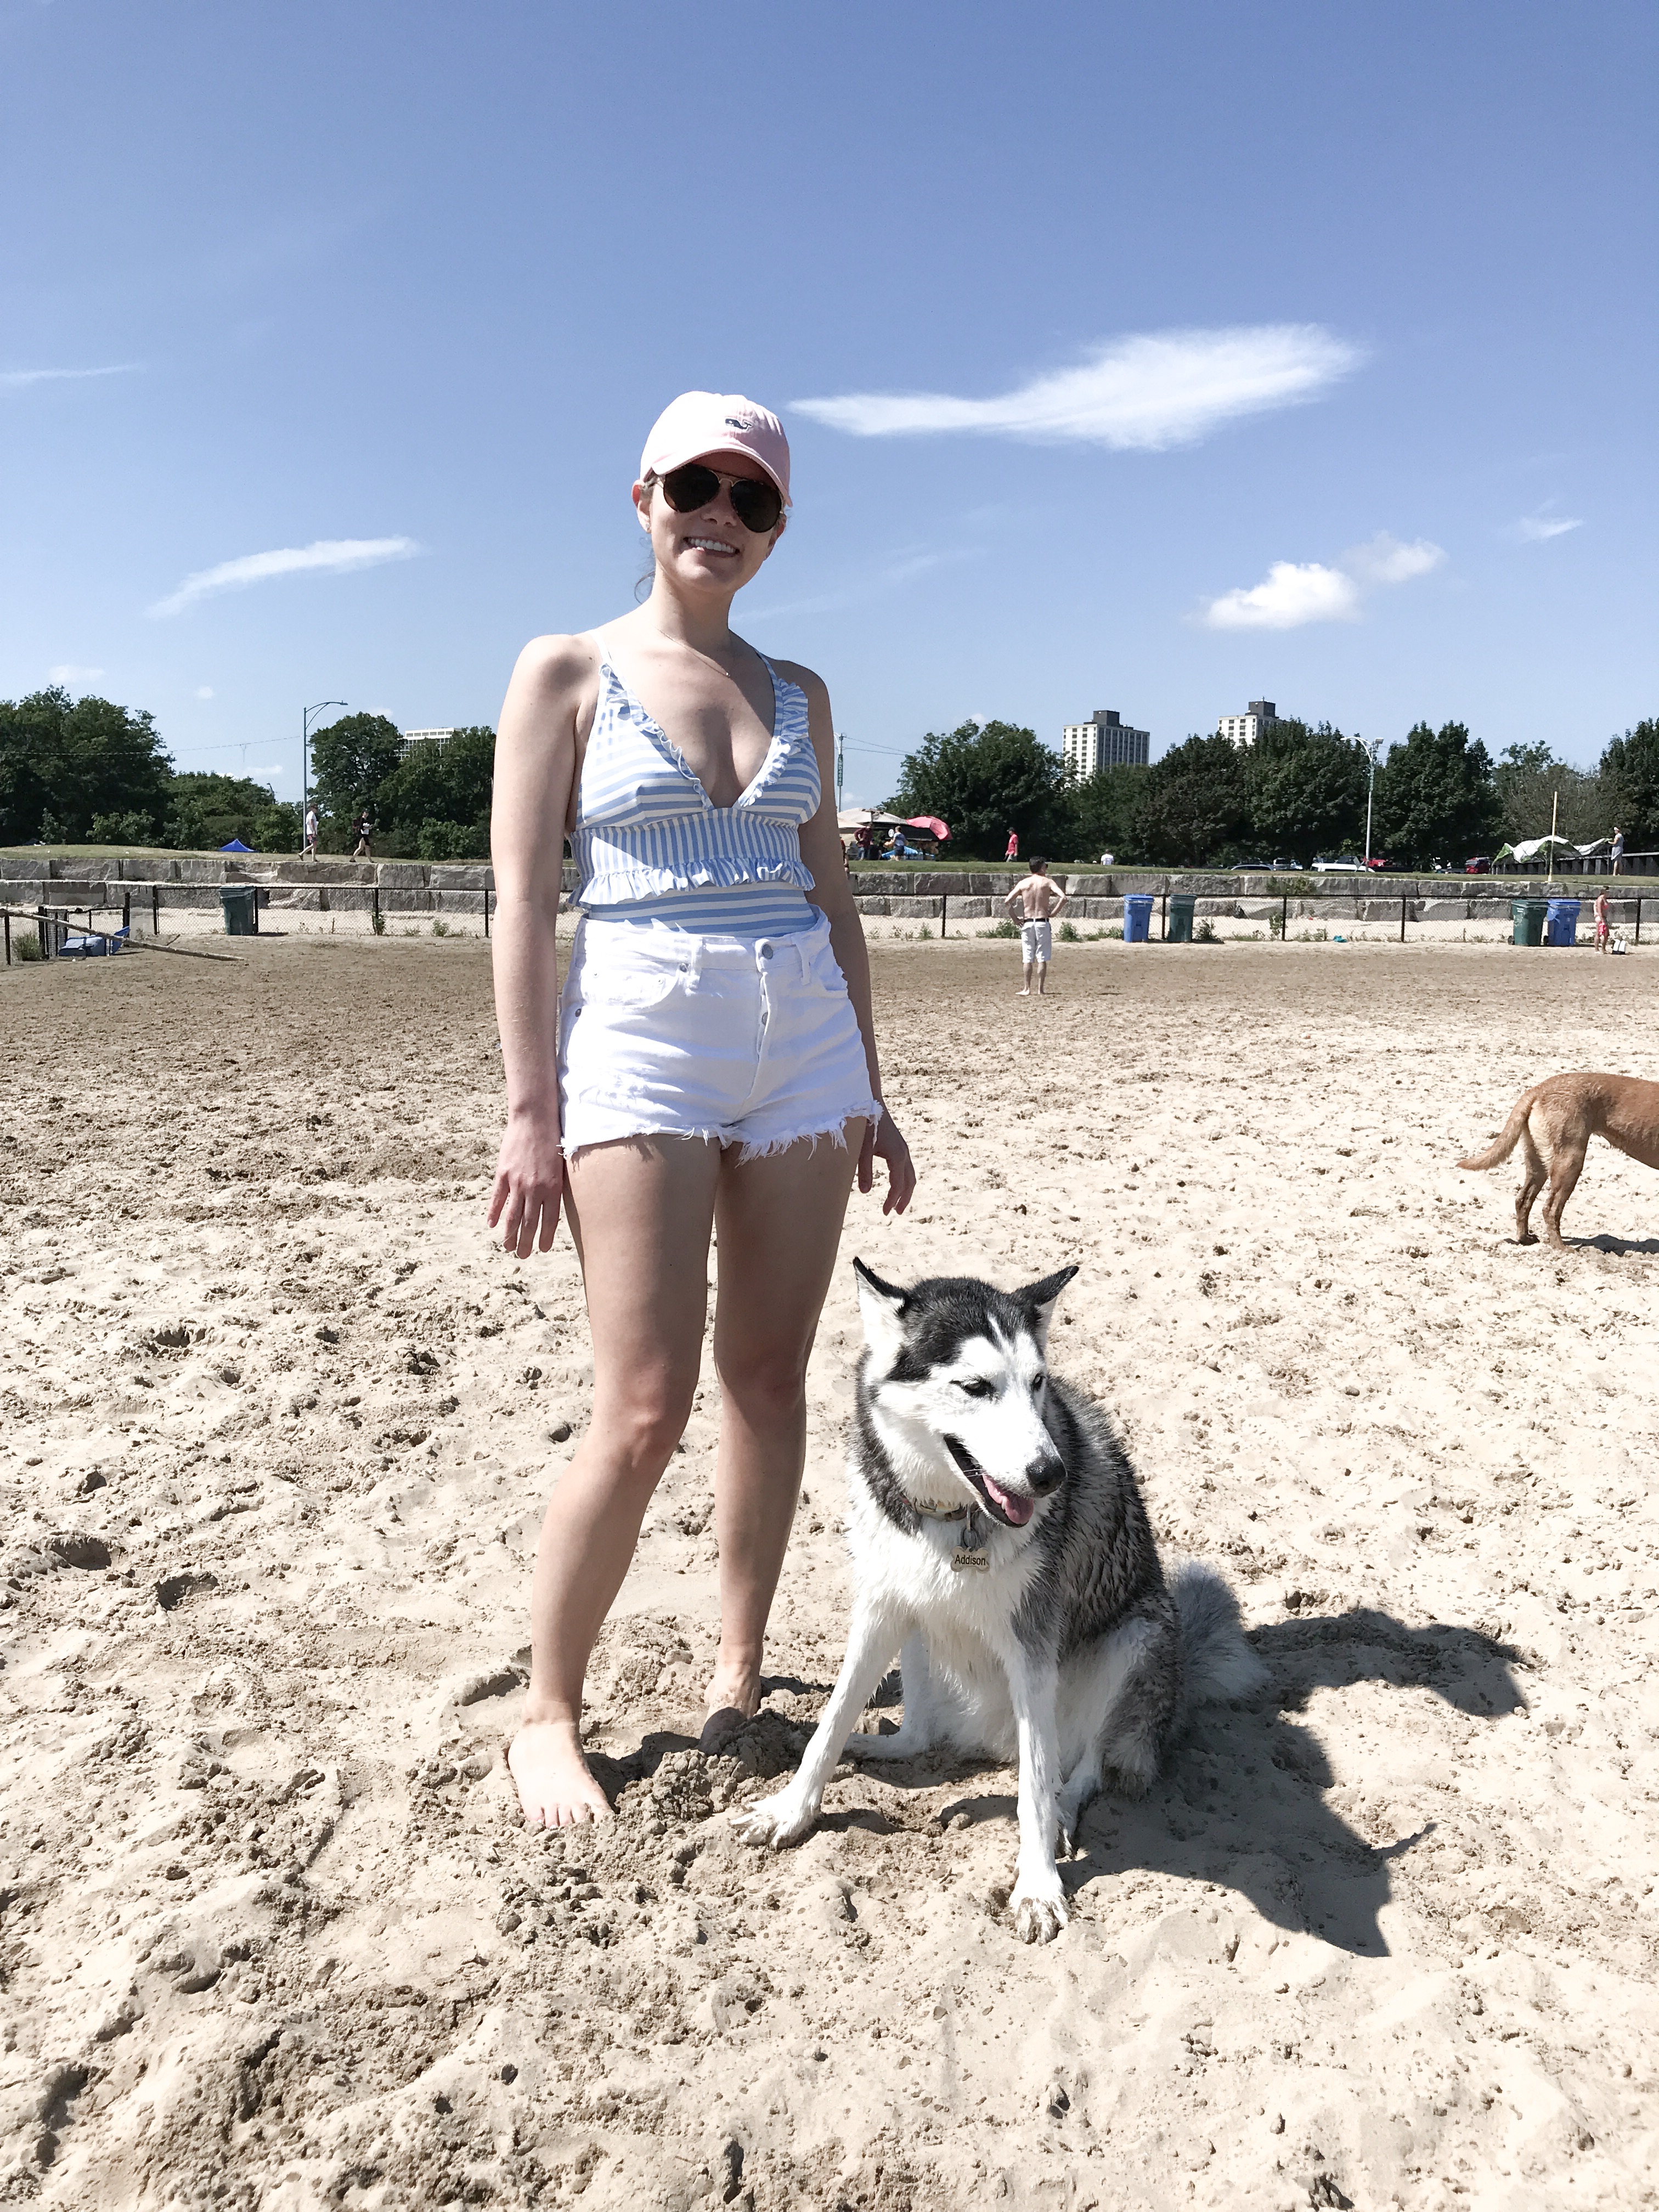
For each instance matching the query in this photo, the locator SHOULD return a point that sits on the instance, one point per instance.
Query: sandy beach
(277, 1424)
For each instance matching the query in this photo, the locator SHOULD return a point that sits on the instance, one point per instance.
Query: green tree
(1102, 810)
(1436, 799)
(1630, 783)
(207, 810)
(351, 759)
(1306, 789)
(65, 762)
(1533, 785)
(1195, 806)
(984, 779)
(436, 800)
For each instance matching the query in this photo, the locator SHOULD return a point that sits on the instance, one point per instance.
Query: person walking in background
(1033, 903)
(1617, 850)
(1603, 931)
(710, 1065)
(311, 833)
(363, 830)
(1012, 853)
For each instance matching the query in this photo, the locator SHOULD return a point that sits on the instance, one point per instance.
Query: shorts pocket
(823, 972)
(629, 990)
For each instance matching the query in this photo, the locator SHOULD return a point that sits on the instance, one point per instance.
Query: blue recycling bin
(1561, 922)
(1137, 917)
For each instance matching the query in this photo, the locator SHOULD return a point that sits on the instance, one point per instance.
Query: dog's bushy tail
(1217, 1660)
(1506, 1140)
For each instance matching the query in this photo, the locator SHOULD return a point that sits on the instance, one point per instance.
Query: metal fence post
(1402, 921)
(376, 895)
(1285, 921)
(944, 914)
(1638, 921)
(486, 909)
(1164, 920)
(126, 911)
(7, 920)
(155, 911)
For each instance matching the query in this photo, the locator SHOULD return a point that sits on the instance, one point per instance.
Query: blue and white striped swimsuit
(652, 847)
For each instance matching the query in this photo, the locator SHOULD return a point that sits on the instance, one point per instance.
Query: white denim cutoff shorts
(747, 1041)
(1036, 941)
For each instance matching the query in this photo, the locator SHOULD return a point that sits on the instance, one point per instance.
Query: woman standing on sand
(715, 1026)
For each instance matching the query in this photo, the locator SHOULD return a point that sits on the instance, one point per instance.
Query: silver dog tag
(979, 1560)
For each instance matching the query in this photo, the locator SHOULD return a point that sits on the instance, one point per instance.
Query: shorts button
(766, 952)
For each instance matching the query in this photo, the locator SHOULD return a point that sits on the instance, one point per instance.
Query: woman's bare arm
(832, 893)
(535, 775)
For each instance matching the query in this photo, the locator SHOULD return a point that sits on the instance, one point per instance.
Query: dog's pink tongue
(1019, 1510)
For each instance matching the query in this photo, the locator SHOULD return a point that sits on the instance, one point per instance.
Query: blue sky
(1308, 352)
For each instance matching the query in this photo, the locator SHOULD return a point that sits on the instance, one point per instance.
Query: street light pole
(305, 756)
(1370, 789)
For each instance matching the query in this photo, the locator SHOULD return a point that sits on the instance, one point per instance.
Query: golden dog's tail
(1507, 1137)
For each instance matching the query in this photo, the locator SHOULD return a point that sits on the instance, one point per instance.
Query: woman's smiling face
(711, 548)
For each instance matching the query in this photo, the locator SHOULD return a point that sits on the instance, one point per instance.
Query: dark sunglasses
(756, 500)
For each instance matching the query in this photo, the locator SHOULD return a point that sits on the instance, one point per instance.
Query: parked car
(1479, 866)
(1338, 868)
(1375, 864)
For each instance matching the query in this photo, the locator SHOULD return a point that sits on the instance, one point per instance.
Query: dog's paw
(1039, 1909)
(775, 1821)
(897, 1746)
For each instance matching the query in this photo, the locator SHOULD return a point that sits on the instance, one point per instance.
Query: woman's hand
(529, 1182)
(881, 1140)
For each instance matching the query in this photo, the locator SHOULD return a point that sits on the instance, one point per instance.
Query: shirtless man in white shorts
(1033, 903)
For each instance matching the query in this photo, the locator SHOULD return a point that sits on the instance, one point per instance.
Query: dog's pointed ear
(1040, 1299)
(882, 1305)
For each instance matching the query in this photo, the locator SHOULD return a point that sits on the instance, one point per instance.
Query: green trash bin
(1180, 918)
(1528, 916)
(241, 917)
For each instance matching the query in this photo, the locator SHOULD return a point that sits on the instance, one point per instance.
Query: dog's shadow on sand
(1241, 1799)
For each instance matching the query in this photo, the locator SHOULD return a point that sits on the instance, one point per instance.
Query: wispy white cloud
(72, 677)
(1298, 591)
(1153, 390)
(1294, 593)
(1536, 528)
(204, 691)
(331, 554)
(18, 380)
(1385, 559)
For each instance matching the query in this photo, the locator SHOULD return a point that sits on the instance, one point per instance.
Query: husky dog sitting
(999, 1538)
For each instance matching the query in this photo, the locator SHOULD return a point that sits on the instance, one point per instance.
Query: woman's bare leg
(779, 1220)
(640, 1212)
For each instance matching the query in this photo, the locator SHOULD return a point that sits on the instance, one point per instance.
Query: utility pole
(841, 769)
(305, 755)
(1370, 792)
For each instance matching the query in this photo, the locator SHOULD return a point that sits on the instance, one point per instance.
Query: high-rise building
(437, 737)
(1244, 729)
(1104, 741)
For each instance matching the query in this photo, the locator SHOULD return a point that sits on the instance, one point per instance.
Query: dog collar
(940, 1512)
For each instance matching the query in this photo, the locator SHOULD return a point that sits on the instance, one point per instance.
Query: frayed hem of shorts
(836, 1131)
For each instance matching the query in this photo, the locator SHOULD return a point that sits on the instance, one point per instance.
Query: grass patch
(1001, 929)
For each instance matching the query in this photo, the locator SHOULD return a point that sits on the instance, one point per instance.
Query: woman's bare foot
(733, 1696)
(555, 1788)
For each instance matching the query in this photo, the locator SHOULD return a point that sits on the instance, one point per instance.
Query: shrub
(1068, 934)
(1001, 929)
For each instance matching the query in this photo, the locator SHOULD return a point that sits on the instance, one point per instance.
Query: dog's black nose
(1046, 1474)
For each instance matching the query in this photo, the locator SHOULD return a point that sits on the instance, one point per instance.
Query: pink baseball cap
(705, 423)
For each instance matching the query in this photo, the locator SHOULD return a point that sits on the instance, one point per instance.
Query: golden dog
(1563, 1115)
